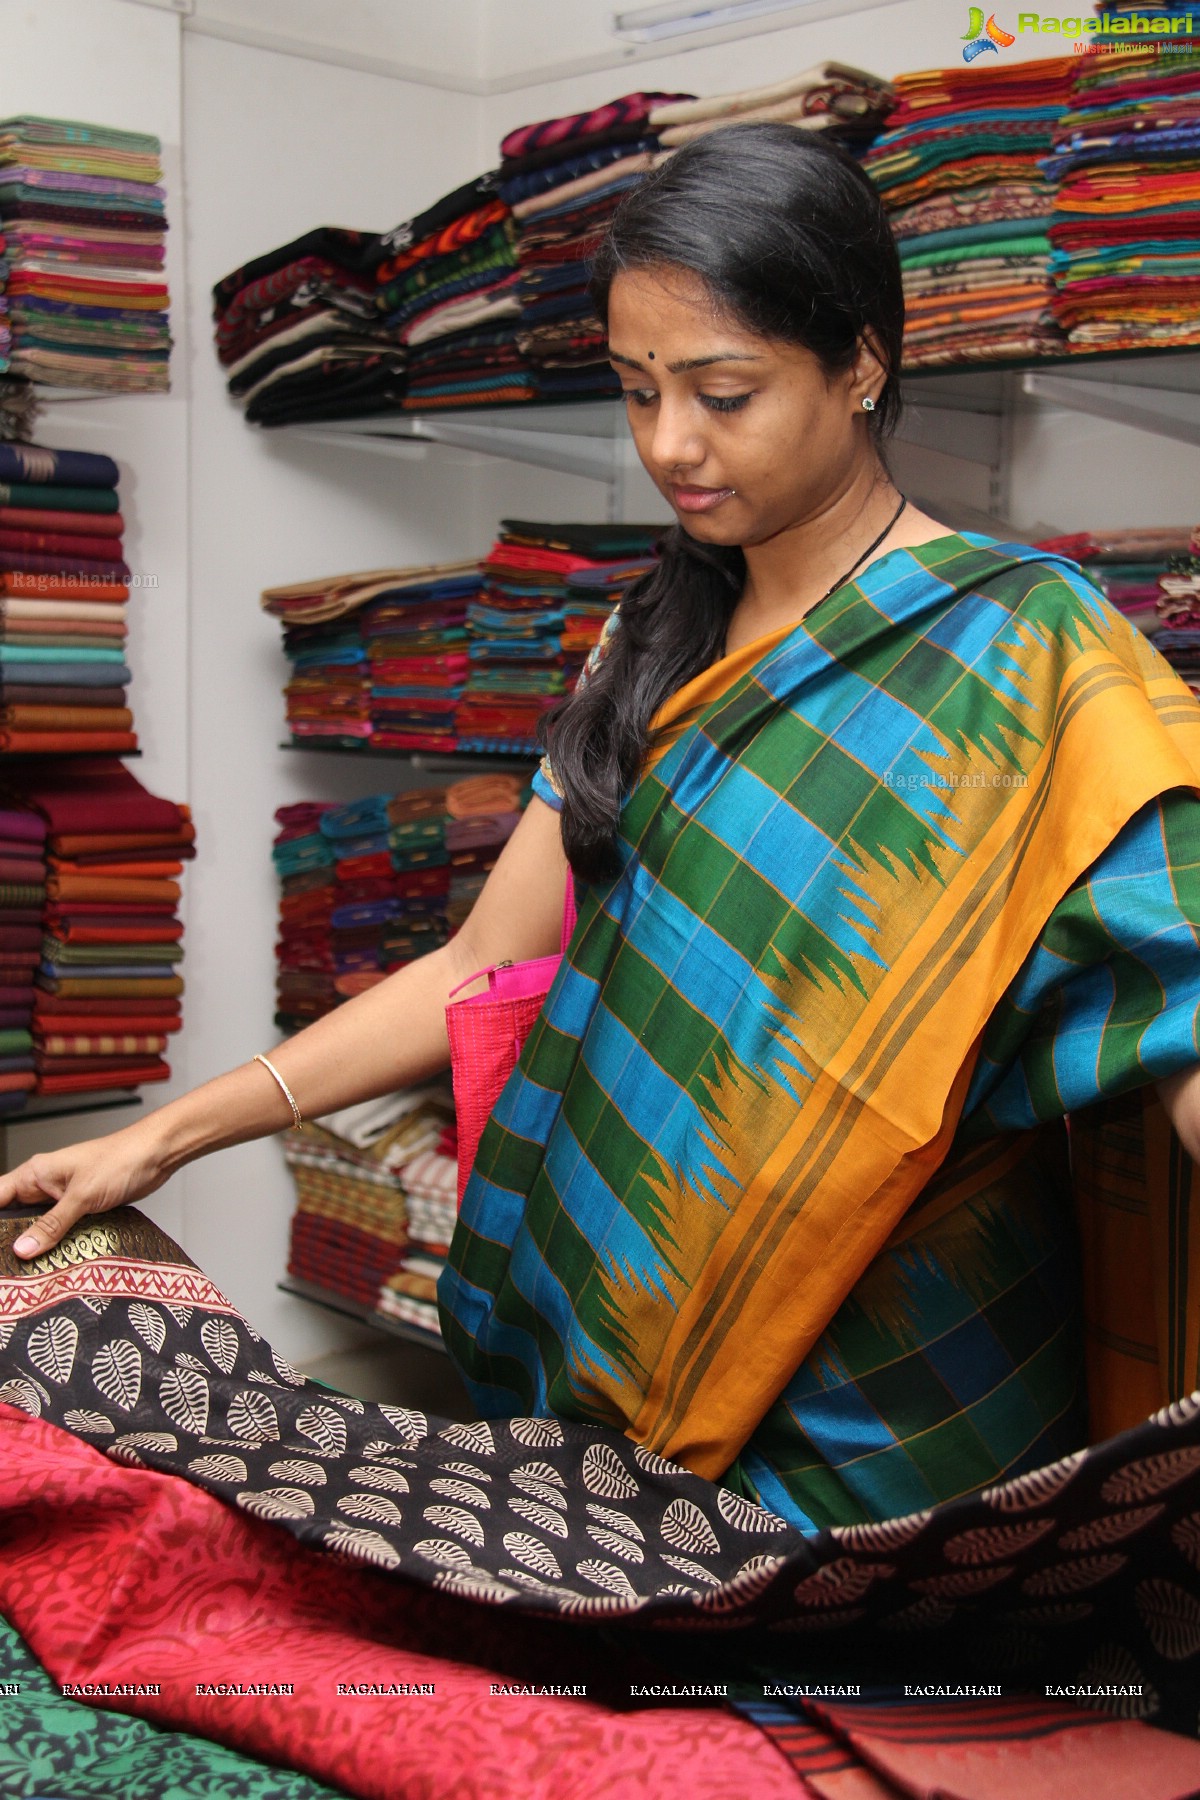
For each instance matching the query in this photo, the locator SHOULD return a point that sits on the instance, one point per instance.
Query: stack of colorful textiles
(368, 887)
(1126, 226)
(350, 1231)
(108, 987)
(430, 1181)
(538, 576)
(82, 212)
(377, 658)
(846, 103)
(563, 179)
(299, 334)
(960, 173)
(1152, 575)
(22, 897)
(447, 292)
(63, 594)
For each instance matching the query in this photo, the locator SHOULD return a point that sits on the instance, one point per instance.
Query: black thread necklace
(859, 560)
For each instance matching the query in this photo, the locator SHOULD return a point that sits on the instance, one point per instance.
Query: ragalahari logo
(984, 37)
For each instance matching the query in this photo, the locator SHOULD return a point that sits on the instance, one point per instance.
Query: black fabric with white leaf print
(1085, 1571)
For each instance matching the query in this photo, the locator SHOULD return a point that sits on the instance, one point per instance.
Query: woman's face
(745, 436)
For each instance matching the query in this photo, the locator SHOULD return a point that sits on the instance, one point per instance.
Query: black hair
(791, 239)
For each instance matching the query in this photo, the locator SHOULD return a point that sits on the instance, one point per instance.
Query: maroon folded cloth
(23, 869)
(24, 693)
(16, 823)
(92, 794)
(73, 545)
(30, 562)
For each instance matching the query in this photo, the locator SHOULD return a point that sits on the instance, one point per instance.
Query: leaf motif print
(1185, 1535)
(840, 1583)
(348, 1403)
(608, 1576)
(219, 1468)
(743, 1515)
(181, 1314)
(467, 1470)
(1024, 1492)
(963, 1583)
(1150, 1475)
(326, 1429)
(615, 1544)
(616, 1521)
(17, 1391)
(464, 1491)
(605, 1474)
(923, 1615)
(883, 1534)
(52, 1346)
(376, 1476)
(456, 1519)
(1096, 1533)
(412, 1426)
(473, 1585)
(992, 1543)
(1179, 1411)
(685, 1527)
(476, 1438)
(533, 1554)
(376, 1507)
(1073, 1577)
(252, 1417)
(535, 1434)
(149, 1324)
(539, 1471)
(184, 1396)
(298, 1468)
(534, 1513)
(538, 1490)
(446, 1554)
(220, 1341)
(1172, 1618)
(290, 1375)
(653, 1463)
(117, 1373)
(81, 1420)
(185, 1360)
(366, 1546)
(685, 1566)
(1114, 1668)
(278, 1503)
(163, 1441)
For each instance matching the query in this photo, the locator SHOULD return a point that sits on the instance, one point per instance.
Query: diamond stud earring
(868, 405)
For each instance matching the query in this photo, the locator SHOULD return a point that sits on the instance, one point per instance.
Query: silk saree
(781, 1186)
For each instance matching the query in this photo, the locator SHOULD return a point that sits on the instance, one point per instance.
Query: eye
(639, 396)
(725, 403)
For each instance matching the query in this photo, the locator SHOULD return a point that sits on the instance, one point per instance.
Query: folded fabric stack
(82, 212)
(350, 1230)
(299, 334)
(377, 658)
(847, 103)
(563, 179)
(63, 594)
(22, 897)
(1126, 225)
(960, 173)
(305, 864)
(482, 814)
(522, 658)
(1152, 575)
(430, 1181)
(446, 290)
(108, 987)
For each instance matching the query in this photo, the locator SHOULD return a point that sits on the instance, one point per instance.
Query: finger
(22, 1184)
(42, 1234)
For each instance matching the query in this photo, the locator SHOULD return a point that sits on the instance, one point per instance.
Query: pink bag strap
(568, 925)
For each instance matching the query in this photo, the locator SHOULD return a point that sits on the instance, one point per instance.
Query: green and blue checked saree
(781, 1185)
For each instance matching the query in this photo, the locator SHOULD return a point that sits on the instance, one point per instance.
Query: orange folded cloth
(74, 933)
(61, 587)
(96, 887)
(112, 987)
(484, 794)
(68, 743)
(23, 1081)
(67, 718)
(118, 871)
(85, 843)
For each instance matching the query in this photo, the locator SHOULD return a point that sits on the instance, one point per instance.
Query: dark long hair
(790, 238)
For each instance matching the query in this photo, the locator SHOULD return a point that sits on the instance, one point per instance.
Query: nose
(676, 445)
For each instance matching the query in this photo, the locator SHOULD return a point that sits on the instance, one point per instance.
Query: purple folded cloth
(487, 831)
(25, 825)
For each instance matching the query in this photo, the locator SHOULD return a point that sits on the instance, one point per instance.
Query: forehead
(675, 305)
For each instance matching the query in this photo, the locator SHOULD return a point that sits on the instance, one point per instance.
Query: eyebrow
(691, 362)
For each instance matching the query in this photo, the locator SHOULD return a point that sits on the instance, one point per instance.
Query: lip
(698, 499)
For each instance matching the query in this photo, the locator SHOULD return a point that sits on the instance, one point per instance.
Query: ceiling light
(648, 24)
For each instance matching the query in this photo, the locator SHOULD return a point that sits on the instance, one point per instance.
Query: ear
(870, 371)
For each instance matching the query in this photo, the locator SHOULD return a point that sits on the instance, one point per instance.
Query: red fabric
(71, 542)
(120, 1574)
(129, 1075)
(66, 743)
(95, 794)
(40, 518)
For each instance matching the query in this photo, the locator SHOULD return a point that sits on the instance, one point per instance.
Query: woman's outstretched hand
(84, 1178)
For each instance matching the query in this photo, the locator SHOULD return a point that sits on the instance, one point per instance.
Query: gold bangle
(285, 1090)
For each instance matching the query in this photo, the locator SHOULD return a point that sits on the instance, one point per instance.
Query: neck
(789, 573)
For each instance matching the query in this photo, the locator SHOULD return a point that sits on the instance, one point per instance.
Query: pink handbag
(487, 1032)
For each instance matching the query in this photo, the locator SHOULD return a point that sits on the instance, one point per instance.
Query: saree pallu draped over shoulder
(757, 1055)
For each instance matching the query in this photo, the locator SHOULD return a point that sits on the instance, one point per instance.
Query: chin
(708, 530)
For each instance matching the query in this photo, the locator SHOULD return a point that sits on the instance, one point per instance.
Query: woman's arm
(390, 1037)
(1180, 1095)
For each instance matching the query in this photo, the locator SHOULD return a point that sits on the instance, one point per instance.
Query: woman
(886, 842)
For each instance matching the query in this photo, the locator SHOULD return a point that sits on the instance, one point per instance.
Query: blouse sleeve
(1109, 997)
(545, 783)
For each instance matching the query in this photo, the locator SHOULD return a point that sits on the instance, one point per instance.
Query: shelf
(429, 760)
(349, 1309)
(1154, 390)
(52, 1107)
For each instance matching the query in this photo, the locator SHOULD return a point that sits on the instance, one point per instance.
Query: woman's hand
(85, 1178)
